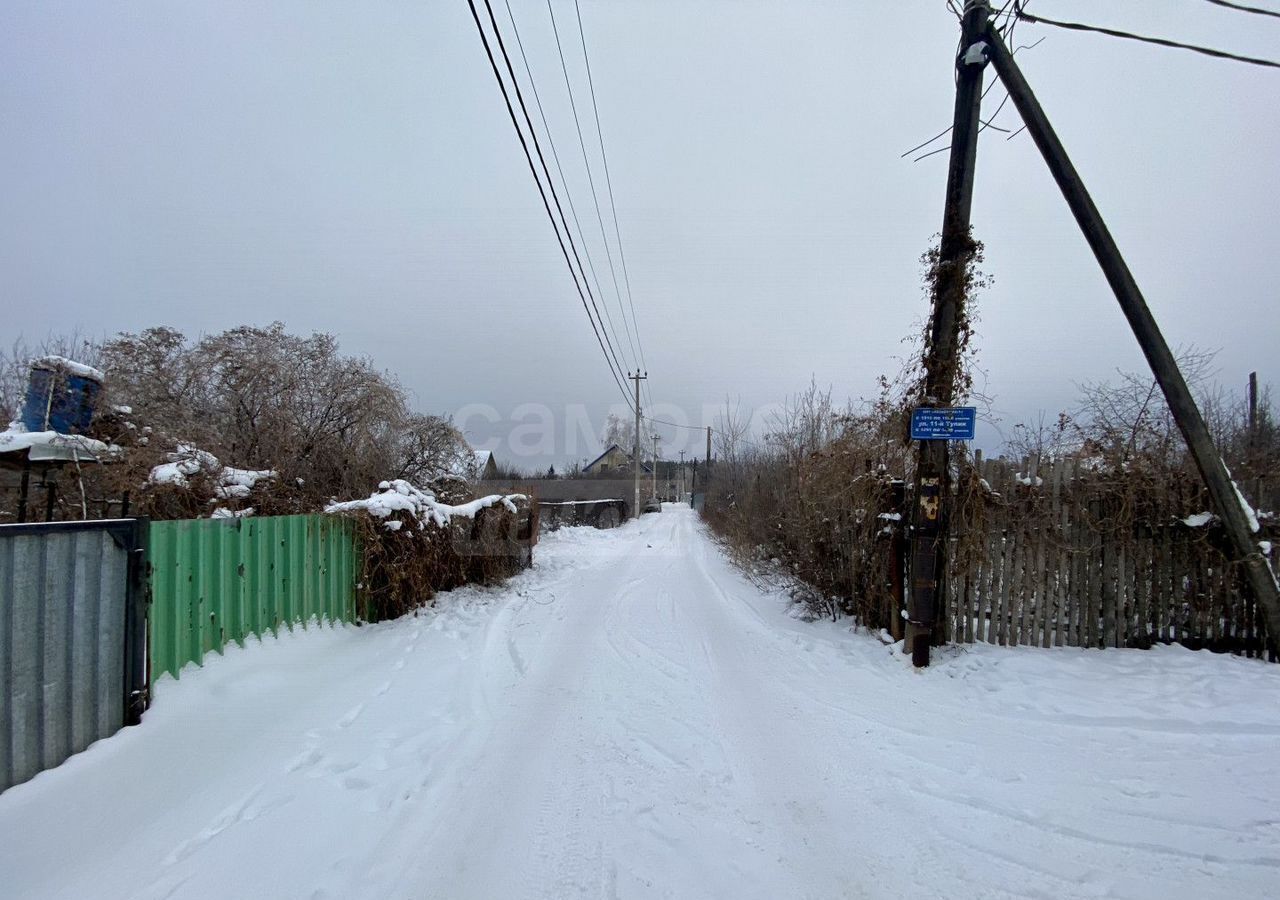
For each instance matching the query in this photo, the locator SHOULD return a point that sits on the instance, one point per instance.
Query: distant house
(485, 466)
(473, 465)
(614, 461)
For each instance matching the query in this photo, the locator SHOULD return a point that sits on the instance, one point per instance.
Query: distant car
(653, 504)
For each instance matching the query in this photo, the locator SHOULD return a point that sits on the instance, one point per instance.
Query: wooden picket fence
(1056, 555)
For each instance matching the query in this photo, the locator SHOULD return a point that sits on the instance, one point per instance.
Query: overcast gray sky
(349, 167)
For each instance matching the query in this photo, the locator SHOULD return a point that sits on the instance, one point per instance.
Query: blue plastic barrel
(35, 408)
(58, 400)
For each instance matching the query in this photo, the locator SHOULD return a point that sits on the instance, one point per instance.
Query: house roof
(469, 464)
(644, 466)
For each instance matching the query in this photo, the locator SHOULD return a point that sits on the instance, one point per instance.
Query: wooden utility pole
(682, 496)
(931, 497)
(1253, 404)
(1226, 499)
(654, 473)
(1255, 440)
(637, 378)
(708, 448)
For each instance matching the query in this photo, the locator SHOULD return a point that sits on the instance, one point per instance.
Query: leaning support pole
(1226, 499)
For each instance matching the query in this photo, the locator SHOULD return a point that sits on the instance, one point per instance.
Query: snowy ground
(633, 719)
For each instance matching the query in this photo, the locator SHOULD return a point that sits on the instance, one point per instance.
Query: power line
(586, 162)
(609, 183)
(989, 88)
(484, 39)
(676, 424)
(1256, 10)
(605, 159)
(703, 429)
(985, 124)
(555, 155)
(551, 184)
(1128, 35)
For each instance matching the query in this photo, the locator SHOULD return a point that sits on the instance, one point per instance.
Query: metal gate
(72, 639)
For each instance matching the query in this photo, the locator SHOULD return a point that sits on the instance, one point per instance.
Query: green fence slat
(215, 580)
(232, 596)
(312, 572)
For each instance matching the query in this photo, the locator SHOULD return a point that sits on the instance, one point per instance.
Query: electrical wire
(985, 91)
(555, 155)
(676, 424)
(622, 255)
(524, 144)
(551, 184)
(595, 196)
(985, 124)
(1146, 39)
(1239, 7)
(542, 159)
(702, 428)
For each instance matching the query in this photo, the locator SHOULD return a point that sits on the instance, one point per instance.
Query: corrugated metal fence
(72, 639)
(220, 580)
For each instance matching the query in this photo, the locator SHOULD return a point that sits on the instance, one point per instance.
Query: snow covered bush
(413, 544)
(194, 483)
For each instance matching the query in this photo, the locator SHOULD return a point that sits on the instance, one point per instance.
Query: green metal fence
(219, 580)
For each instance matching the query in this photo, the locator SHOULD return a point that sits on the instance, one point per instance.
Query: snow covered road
(632, 719)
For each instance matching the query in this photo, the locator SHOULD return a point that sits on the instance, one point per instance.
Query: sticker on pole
(945, 423)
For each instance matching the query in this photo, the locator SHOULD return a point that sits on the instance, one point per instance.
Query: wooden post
(1255, 442)
(1227, 502)
(637, 378)
(25, 489)
(931, 495)
(897, 556)
(654, 473)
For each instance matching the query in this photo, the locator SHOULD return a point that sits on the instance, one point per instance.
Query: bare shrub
(404, 566)
(815, 502)
(329, 425)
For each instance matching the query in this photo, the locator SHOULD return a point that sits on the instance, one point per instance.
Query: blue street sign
(947, 423)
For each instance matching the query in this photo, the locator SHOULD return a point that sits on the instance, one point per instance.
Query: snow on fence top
(187, 461)
(401, 496)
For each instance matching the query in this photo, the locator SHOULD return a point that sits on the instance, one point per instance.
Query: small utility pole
(637, 378)
(682, 476)
(1255, 440)
(1253, 404)
(654, 479)
(931, 496)
(1226, 499)
(708, 448)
